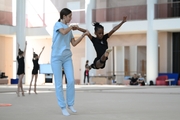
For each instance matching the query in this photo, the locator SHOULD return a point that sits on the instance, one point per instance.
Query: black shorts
(94, 64)
(20, 71)
(35, 71)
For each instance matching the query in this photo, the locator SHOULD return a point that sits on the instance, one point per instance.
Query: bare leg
(35, 83)
(22, 86)
(88, 79)
(31, 84)
(18, 87)
(100, 63)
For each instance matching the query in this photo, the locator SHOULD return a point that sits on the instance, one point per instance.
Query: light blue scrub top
(61, 43)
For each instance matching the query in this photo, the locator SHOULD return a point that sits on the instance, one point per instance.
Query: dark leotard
(36, 66)
(100, 47)
(20, 65)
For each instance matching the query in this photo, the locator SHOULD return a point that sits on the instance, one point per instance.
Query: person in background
(134, 80)
(86, 72)
(20, 70)
(141, 80)
(35, 69)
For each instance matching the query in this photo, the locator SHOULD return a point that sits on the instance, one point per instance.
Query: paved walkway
(94, 102)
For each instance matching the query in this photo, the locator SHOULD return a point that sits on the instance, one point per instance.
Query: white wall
(6, 5)
(141, 55)
(79, 52)
(7, 30)
(37, 44)
(130, 27)
(132, 33)
(119, 63)
(6, 59)
(133, 59)
(164, 52)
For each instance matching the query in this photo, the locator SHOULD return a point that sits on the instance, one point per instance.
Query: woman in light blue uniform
(61, 58)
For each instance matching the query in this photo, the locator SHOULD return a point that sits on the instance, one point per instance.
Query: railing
(117, 13)
(167, 10)
(6, 18)
(164, 10)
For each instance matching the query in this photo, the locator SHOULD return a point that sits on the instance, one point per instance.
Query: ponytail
(97, 25)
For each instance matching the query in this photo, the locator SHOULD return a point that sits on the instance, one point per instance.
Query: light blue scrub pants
(56, 64)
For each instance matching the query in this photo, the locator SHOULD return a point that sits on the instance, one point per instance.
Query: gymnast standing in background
(20, 70)
(35, 70)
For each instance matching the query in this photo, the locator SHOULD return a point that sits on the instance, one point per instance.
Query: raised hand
(124, 19)
(18, 45)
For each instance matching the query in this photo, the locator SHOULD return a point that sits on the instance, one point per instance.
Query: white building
(148, 43)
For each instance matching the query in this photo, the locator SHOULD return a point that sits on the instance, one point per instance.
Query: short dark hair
(20, 52)
(97, 25)
(64, 11)
(34, 55)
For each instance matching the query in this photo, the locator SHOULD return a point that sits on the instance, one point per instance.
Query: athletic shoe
(108, 50)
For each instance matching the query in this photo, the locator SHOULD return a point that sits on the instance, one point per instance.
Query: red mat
(5, 104)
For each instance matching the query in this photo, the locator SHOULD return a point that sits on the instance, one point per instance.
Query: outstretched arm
(83, 30)
(75, 42)
(25, 49)
(41, 52)
(18, 48)
(33, 53)
(117, 26)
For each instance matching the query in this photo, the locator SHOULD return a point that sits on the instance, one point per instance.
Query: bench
(3, 81)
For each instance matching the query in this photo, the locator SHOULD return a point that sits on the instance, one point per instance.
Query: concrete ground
(94, 102)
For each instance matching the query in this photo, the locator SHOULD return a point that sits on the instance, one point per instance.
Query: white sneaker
(108, 50)
(72, 109)
(65, 112)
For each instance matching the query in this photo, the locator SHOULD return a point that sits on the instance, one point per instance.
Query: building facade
(148, 43)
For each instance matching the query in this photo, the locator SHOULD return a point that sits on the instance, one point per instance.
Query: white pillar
(133, 59)
(20, 23)
(152, 43)
(14, 58)
(14, 41)
(119, 63)
(90, 53)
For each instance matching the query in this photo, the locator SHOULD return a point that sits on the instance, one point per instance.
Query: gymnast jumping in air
(100, 43)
